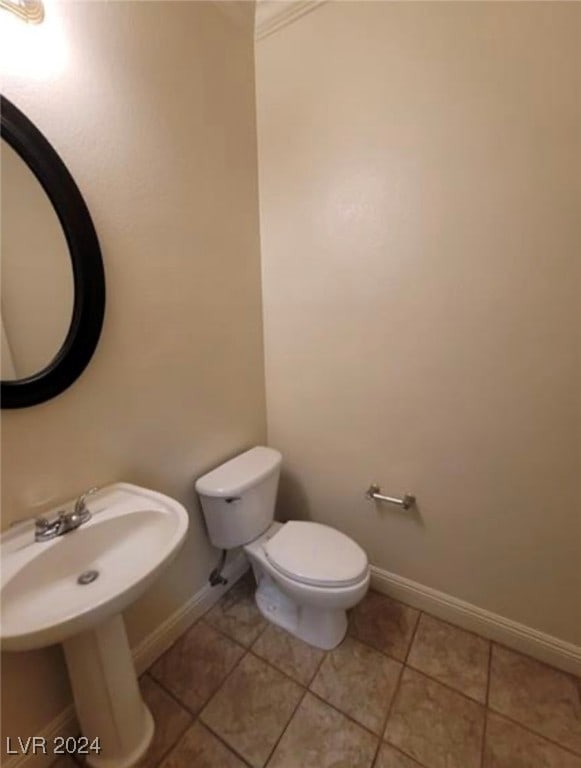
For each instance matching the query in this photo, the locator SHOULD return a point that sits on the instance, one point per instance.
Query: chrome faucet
(45, 530)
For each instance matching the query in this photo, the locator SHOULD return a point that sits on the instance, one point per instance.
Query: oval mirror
(53, 288)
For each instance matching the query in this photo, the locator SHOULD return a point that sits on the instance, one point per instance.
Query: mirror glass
(37, 288)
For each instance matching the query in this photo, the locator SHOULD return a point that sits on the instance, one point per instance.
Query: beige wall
(420, 224)
(154, 116)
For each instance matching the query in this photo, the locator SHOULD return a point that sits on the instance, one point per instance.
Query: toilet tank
(238, 497)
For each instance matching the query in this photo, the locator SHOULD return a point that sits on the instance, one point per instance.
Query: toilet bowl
(308, 603)
(307, 574)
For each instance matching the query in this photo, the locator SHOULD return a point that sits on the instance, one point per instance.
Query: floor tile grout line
(319, 665)
(387, 716)
(400, 751)
(166, 753)
(282, 671)
(451, 624)
(336, 708)
(224, 681)
(223, 632)
(374, 647)
(174, 643)
(307, 689)
(438, 682)
(212, 696)
(445, 685)
(276, 669)
(409, 664)
(345, 715)
(486, 709)
(381, 650)
(175, 698)
(405, 661)
(535, 660)
(286, 727)
(172, 746)
(168, 649)
(404, 666)
(252, 600)
(194, 624)
(406, 754)
(262, 632)
(413, 637)
(529, 730)
(489, 677)
(221, 739)
(484, 733)
(248, 652)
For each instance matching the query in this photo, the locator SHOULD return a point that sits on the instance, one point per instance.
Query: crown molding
(272, 15)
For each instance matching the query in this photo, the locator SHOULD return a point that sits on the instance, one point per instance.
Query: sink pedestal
(72, 589)
(107, 696)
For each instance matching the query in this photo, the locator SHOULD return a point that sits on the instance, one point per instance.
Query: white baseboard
(148, 651)
(559, 653)
(64, 724)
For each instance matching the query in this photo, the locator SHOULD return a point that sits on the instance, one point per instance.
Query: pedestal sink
(72, 589)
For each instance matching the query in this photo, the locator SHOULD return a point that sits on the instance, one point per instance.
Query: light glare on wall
(31, 11)
(31, 50)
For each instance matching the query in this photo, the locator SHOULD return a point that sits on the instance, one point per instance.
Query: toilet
(307, 574)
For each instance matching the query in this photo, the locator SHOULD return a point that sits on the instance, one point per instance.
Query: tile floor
(403, 690)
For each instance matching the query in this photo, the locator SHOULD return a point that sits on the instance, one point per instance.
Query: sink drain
(87, 577)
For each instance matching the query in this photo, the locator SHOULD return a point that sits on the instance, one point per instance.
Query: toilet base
(320, 628)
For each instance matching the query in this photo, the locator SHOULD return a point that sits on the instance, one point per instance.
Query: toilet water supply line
(216, 578)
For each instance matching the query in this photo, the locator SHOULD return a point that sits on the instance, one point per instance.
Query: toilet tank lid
(240, 473)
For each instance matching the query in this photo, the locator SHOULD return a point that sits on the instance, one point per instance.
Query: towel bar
(373, 493)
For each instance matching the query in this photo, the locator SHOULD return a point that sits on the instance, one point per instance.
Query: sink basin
(132, 535)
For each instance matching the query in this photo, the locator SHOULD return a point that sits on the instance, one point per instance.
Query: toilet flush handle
(232, 499)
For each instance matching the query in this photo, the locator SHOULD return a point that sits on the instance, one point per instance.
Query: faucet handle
(41, 524)
(80, 505)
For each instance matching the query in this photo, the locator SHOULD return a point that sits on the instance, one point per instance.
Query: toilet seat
(316, 554)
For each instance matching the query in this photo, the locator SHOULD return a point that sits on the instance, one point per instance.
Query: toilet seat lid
(316, 554)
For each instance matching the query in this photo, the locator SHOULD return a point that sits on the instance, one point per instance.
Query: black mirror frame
(85, 252)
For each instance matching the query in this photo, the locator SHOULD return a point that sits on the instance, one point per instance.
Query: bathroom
(349, 231)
